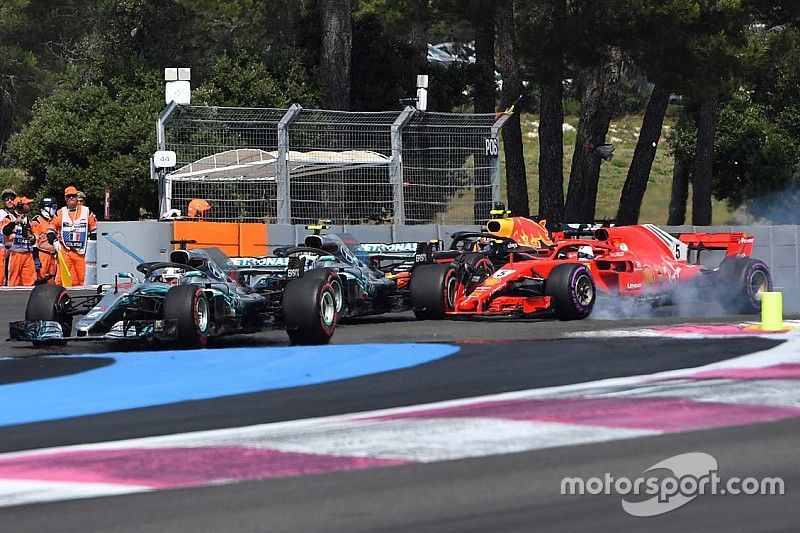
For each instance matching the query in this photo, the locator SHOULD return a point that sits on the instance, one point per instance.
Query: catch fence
(295, 166)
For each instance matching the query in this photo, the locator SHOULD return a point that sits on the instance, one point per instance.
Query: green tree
(242, 79)
(551, 112)
(93, 136)
(511, 95)
(19, 70)
(335, 59)
(755, 159)
(599, 102)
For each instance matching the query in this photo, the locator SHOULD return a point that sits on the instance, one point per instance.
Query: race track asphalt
(514, 492)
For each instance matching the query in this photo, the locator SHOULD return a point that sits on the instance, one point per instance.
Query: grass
(622, 134)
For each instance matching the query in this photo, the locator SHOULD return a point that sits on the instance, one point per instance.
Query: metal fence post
(164, 198)
(396, 165)
(284, 199)
(496, 127)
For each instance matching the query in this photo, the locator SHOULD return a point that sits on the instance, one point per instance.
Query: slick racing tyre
(335, 281)
(434, 289)
(50, 302)
(571, 290)
(188, 306)
(742, 280)
(309, 309)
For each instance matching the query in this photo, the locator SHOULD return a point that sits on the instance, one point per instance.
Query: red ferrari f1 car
(518, 268)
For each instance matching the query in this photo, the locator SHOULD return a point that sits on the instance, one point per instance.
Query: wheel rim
(202, 314)
(338, 294)
(327, 307)
(758, 284)
(450, 291)
(584, 290)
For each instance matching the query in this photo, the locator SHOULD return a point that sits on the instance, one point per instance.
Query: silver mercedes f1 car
(197, 294)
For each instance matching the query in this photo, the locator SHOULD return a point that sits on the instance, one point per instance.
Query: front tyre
(310, 310)
(50, 302)
(327, 275)
(571, 290)
(743, 280)
(188, 307)
(434, 289)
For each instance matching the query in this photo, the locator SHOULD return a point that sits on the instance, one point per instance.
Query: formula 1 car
(368, 279)
(566, 275)
(198, 294)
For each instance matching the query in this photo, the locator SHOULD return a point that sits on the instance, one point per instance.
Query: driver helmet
(585, 252)
(483, 244)
(171, 275)
(49, 207)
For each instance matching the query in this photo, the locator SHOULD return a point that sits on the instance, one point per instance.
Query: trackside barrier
(234, 238)
(145, 239)
(91, 263)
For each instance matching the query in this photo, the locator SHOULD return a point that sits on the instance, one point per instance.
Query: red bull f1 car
(517, 267)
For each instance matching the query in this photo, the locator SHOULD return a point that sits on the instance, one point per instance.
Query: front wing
(45, 331)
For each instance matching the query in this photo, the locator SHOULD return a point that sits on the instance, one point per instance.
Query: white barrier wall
(123, 245)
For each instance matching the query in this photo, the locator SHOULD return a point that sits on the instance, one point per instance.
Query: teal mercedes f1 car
(196, 295)
(368, 278)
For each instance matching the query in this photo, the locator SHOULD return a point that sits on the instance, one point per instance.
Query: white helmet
(171, 275)
(171, 214)
(49, 207)
(585, 252)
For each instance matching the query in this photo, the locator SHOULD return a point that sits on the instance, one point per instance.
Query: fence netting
(351, 168)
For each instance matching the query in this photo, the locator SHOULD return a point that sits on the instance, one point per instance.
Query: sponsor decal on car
(380, 247)
(260, 261)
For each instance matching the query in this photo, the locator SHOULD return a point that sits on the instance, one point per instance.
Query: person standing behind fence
(7, 212)
(47, 252)
(198, 209)
(72, 226)
(21, 268)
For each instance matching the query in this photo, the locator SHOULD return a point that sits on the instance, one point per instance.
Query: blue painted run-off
(144, 379)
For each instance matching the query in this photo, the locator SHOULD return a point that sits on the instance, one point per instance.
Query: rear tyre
(188, 306)
(433, 291)
(50, 302)
(571, 290)
(309, 309)
(743, 279)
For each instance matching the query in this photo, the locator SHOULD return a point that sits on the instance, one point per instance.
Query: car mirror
(125, 275)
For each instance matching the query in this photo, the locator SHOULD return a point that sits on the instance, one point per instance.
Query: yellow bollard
(772, 311)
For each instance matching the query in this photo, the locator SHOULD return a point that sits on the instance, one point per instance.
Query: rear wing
(734, 243)
(249, 270)
(414, 251)
(265, 263)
